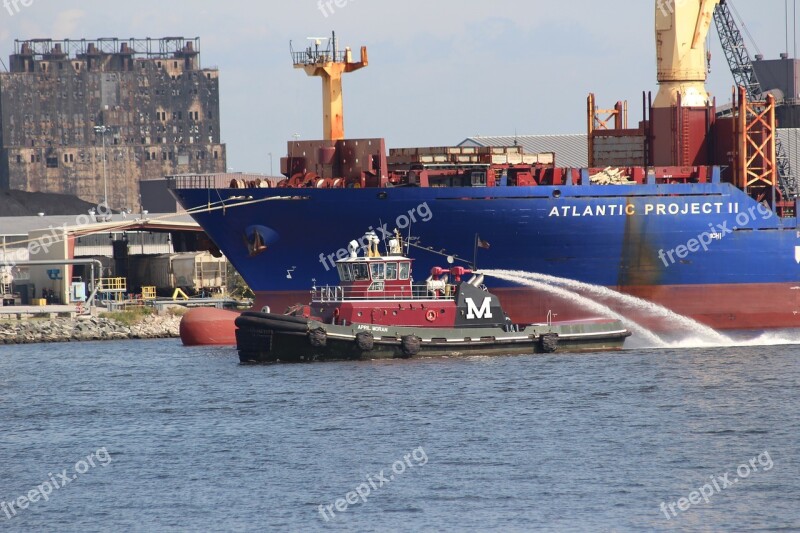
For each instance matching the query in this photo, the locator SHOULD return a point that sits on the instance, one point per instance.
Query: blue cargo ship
(707, 251)
(691, 209)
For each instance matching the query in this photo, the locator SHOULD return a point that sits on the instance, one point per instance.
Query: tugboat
(378, 312)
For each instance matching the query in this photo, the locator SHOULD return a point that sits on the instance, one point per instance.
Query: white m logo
(484, 312)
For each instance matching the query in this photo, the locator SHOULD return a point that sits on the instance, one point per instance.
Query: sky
(440, 70)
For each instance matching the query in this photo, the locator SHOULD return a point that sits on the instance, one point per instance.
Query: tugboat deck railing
(328, 294)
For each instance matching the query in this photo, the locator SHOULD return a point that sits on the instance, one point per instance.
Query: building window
(216, 154)
(175, 64)
(52, 162)
(19, 158)
(66, 158)
(33, 159)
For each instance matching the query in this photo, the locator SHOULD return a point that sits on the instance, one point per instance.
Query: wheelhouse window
(344, 273)
(405, 270)
(391, 271)
(360, 272)
(377, 286)
(378, 271)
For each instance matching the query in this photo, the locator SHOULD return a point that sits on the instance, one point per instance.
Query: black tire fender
(365, 341)
(411, 345)
(549, 342)
(318, 338)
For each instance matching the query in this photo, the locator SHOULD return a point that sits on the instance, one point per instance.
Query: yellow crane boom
(681, 30)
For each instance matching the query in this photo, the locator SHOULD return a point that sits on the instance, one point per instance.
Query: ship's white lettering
(367, 327)
(484, 312)
(649, 209)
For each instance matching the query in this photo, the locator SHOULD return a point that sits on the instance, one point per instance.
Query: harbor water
(150, 436)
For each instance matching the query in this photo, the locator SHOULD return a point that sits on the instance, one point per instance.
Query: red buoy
(205, 326)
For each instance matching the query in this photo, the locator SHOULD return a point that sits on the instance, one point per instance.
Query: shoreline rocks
(34, 331)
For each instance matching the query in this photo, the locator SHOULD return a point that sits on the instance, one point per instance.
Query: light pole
(102, 131)
(296, 137)
(270, 165)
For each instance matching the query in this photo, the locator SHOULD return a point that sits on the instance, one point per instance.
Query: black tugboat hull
(271, 338)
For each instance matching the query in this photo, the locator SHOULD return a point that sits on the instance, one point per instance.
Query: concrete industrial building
(570, 150)
(93, 118)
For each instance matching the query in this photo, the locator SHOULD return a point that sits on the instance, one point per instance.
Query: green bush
(129, 317)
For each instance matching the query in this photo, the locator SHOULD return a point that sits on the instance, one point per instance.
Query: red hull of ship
(208, 327)
(722, 307)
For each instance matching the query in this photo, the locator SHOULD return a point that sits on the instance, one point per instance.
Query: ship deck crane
(681, 29)
(741, 66)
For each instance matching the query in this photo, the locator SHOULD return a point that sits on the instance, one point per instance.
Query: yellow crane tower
(681, 30)
(330, 64)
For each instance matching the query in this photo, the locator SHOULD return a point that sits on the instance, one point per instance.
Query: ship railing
(316, 57)
(192, 181)
(418, 292)
(327, 294)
